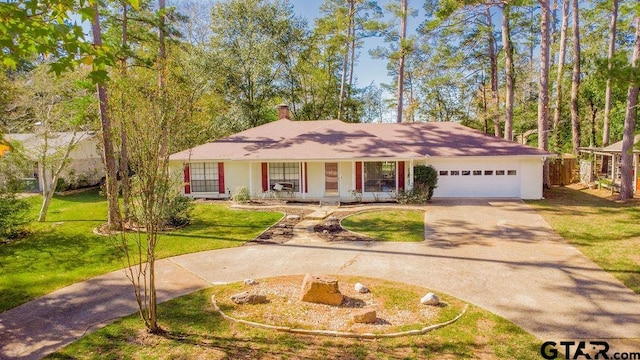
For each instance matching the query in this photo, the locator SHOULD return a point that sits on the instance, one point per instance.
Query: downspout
(250, 179)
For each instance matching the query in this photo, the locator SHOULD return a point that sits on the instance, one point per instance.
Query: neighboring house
(604, 164)
(85, 166)
(330, 159)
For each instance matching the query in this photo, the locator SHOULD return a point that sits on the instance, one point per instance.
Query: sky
(368, 70)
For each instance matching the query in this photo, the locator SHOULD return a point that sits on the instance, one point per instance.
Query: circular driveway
(497, 254)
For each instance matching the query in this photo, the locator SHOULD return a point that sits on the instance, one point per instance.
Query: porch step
(322, 213)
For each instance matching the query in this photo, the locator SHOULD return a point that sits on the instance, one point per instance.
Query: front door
(331, 179)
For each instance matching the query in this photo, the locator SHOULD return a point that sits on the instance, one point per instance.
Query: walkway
(499, 255)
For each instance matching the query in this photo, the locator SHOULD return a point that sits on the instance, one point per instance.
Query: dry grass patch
(397, 306)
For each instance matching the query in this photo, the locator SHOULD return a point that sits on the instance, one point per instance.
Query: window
(488, 172)
(499, 172)
(455, 172)
(466, 172)
(477, 172)
(379, 176)
(511, 172)
(443, 173)
(204, 177)
(285, 174)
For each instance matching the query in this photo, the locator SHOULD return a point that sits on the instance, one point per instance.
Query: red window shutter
(265, 178)
(187, 179)
(306, 176)
(400, 175)
(359, 176)
(221, 188)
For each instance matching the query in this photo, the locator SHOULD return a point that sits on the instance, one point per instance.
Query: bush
(241, 194)
(178, 210)
(13, 213)
(425, 178)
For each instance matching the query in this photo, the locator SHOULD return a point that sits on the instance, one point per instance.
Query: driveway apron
(497, 254)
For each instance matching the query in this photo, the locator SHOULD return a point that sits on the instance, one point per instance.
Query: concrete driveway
(499, 255)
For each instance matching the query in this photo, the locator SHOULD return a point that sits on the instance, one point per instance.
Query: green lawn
(195, 331)
(605, 231)
(64, 250)
(388, 225)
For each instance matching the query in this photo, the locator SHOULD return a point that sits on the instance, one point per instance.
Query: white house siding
(525, 184)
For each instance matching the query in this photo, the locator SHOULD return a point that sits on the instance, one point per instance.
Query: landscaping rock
(365, 316)
(361, 288)
(293, 217)
(250, 282)
(320, 290)
(248, 298)
(430, 299)
(332, 218)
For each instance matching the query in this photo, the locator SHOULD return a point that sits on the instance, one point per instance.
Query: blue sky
(367, 70)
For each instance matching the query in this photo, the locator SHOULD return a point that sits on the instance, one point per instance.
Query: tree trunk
(50, 187)
(345, 62)
(575, 82)
(493, 59)
(607, 95)
(630, 119)
(124, 152)
(543, 87)
(561, 59)
(113, 220)
(403, 36)
(509, 72)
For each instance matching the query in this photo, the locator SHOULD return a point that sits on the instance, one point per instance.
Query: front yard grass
(388, 225)
(195, 331)
(606, 231)
(63, 250)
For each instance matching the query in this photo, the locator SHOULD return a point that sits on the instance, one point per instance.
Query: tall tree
(114, 220)
(575, 81)
(560, 71)
(345, 59)
(402, 56)
(606, 128)
(543, 86)
(507, 46)
(631, 117)
(493, 65)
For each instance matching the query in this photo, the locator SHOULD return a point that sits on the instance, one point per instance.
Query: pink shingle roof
(333, 139)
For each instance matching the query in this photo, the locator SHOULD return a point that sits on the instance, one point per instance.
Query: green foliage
(388, 225)
(178, 210)
(425, 179)
(13, 211)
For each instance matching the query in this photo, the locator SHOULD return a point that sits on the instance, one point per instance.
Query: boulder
(250, 282)
(248, 298)
(365, 316)
(361, 288)
(430, 299)
(293, 217)
(320, 290)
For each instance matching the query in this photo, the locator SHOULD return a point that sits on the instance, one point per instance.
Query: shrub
(425, 178)
(13, 216)
(178, 210)
(241, 194)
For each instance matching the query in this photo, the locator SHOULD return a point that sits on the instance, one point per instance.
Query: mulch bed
(282, 231)
(331, 230)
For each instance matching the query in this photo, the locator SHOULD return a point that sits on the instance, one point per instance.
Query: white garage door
(485, 179)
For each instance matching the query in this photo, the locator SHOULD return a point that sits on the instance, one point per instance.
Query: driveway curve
(497, 254)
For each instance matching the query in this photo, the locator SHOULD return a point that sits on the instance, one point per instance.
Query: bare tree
(561, 59)
(607, 94)
(630, 119)
(575, 81)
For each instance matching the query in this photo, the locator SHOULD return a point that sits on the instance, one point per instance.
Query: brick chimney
(283, 111)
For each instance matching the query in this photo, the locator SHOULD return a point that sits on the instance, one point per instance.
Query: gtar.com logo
(575, 349)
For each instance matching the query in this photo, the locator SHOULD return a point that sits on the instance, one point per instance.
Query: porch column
(304, 180)
(410, 182)
(250, 179)
(613, 168)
